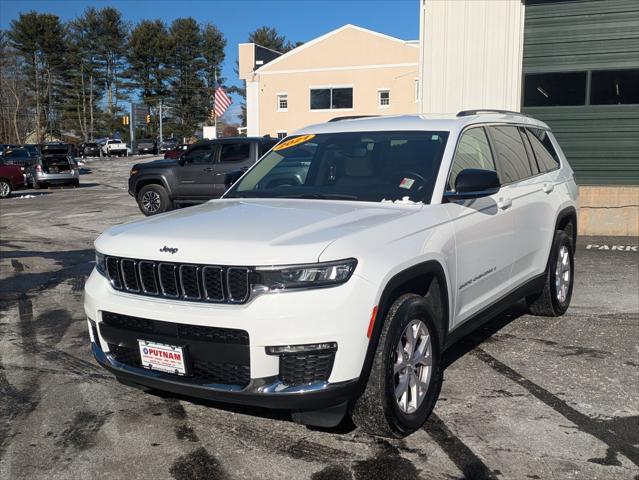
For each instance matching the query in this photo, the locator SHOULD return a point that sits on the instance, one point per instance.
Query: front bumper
(269, 320)
(261, 392)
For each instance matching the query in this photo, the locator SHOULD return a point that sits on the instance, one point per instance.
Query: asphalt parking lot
(523, 398)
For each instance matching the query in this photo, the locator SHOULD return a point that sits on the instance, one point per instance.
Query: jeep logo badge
(168, 249)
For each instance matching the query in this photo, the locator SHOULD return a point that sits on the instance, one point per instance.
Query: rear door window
(511, 154)
(201, 154)
(473, 151)
(235, 152)
(545, 153)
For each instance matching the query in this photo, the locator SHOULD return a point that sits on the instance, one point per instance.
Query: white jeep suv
(332, 275)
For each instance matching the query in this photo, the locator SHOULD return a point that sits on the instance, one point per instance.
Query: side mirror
(474, 183)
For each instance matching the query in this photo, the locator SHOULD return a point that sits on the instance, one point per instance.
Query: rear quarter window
(545, 153)
(511, 154)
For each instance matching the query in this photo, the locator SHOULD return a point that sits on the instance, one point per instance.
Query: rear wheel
(5, 189)
(405, 378)
(153, 199)
(554, 299)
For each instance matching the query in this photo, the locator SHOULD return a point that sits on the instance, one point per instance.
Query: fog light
(277, 350)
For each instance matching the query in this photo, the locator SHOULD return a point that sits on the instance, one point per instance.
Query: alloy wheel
(412, 368)
(562, 274)
(151, 201)
(5, 189)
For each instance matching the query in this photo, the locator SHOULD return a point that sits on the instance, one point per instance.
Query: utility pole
(132, 122)
(161, 139)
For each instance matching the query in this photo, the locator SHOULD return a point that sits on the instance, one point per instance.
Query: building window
(383, 98)
(282, 102)
(281, 134)
(614, 87)
(331, 98)
(555, 89)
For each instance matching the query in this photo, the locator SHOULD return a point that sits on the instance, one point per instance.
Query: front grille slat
(129, 275)
(195, 283)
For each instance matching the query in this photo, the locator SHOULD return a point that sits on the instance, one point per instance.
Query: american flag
(222, 102)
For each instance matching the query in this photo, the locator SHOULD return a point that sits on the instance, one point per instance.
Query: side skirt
(532, 286)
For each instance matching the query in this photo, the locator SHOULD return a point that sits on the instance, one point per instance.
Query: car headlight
(133, 172)
(100, 263)
(313, 275)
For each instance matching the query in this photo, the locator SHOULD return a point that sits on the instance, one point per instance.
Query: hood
(247, 231)
(156, 163)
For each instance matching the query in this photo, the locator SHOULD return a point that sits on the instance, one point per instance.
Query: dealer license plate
(162, 358)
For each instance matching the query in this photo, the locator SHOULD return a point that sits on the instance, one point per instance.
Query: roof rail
(466, 113)
(351, 117)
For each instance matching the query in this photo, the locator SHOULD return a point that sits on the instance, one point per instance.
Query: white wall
(471, 54)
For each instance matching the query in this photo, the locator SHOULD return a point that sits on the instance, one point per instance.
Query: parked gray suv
(196, 176)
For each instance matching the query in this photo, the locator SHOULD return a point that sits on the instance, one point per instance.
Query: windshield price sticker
(293, 142)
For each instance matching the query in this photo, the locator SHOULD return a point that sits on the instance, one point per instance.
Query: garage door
(581, 76)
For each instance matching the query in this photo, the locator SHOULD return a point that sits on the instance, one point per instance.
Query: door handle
(207, 169)
(504, 202)
(548, 187)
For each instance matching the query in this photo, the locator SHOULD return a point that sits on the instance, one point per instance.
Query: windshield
(363, 166)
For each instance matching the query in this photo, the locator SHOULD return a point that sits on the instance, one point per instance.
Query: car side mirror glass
(474, 183)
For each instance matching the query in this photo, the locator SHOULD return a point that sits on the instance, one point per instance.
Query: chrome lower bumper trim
(270, 386)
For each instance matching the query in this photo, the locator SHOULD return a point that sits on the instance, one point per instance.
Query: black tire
(5, 188)
(148, 194)
(550, 302)
(377, 411)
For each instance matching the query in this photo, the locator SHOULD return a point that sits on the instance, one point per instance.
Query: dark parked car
(19, 156)
(168, 144)
(197, 176)
(88, 149)
(177, 151)
(146, 145)
(11, 178)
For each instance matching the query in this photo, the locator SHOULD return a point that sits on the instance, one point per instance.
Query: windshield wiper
(323, 196)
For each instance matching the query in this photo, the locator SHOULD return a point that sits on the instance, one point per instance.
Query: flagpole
(214, 114)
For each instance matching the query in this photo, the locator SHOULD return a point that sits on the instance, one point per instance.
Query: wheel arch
(426, 278)
(151, 180)
(567, 221)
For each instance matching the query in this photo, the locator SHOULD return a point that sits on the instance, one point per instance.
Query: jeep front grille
(196, 283)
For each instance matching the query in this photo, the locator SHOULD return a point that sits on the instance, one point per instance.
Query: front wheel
(405, 377)
(153, 199)
(5, 189)
(554, 299)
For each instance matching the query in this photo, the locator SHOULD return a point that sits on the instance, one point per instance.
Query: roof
(434, 122)
(304, 46)
(237, 140)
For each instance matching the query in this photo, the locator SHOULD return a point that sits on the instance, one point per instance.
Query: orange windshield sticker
(292, 142)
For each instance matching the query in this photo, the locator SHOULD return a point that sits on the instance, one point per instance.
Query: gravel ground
(523, 398)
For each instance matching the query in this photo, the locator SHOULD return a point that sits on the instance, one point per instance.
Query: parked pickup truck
(197, 175)
(113, 147)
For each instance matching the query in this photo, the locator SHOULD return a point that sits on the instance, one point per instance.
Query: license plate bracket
(161, 357)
